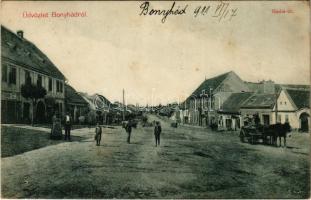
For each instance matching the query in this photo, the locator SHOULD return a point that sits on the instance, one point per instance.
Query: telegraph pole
(123, 104)
(276, 106)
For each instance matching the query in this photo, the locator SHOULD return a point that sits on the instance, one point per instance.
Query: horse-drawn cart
(268, 134)
(251, 134)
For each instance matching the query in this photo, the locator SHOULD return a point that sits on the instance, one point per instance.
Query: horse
(276, 131)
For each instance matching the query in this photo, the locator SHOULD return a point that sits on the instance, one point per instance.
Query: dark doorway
(266, 120)
(11, 115)
(304, 122)
(40, 114)
(26, 112)
(228, 124)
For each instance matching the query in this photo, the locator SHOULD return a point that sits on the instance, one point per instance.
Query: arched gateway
(304, 122)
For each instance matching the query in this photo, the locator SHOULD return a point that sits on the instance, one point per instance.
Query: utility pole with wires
(123, 102)
(276, 106)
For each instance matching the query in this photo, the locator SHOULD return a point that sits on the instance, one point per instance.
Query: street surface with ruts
(191, 162)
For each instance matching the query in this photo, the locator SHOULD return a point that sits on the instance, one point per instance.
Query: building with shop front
(22, 60)
(261, 105)
(287, 105)
(202, 106)
(229, 117)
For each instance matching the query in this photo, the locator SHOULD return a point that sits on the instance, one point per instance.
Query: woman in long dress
(56, 131)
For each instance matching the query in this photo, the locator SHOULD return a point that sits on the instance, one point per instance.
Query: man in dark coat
(128, 129)
(157, 132)
(67, 124)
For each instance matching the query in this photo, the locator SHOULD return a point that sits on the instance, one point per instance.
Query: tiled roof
(234, 102)
(301, 98)
(260, 101)
(259, 86)
(22, 52)
(211, 83)
(296, 87)
(72, 96)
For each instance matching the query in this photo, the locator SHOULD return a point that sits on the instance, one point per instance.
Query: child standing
(98, 134)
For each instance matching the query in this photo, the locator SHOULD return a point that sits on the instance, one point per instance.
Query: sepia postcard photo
(155, 99)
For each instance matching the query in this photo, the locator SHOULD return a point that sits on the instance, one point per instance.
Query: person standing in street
(98, 134)
(128, 129)
(56, 130)
(67, 126)
(157, 132)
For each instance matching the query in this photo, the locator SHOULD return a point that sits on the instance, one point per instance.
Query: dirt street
(190, 163)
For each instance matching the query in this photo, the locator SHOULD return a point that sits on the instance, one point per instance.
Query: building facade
(261, 105)
(22, 60)
(202, 106)
(288, 105)
(76, 105)
(229, 117)
(293, 107)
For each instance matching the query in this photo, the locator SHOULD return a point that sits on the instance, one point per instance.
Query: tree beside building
(21, 60)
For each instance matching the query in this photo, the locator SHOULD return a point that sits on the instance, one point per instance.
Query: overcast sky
(114, 48)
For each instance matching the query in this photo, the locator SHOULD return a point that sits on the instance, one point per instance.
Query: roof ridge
(226, 73)
(38, 59)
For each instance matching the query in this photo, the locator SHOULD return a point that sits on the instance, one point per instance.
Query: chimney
(20, 34)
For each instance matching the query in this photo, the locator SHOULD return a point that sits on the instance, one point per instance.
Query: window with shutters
(50, 84)
(12, 76)
(4, 73)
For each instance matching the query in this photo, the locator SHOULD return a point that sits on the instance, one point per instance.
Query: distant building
(293, 106)
(75, 104)
(21, 60)
(100, 108)
(261, 104)
(230, 115)
(201, 107)
(263, 87)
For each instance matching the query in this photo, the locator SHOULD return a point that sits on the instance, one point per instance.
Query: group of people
(128, 128)
(56, 130)
(157, 132)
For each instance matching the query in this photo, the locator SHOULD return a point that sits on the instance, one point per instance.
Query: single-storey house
(294, 106)
(75, 104)
(229, 117)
